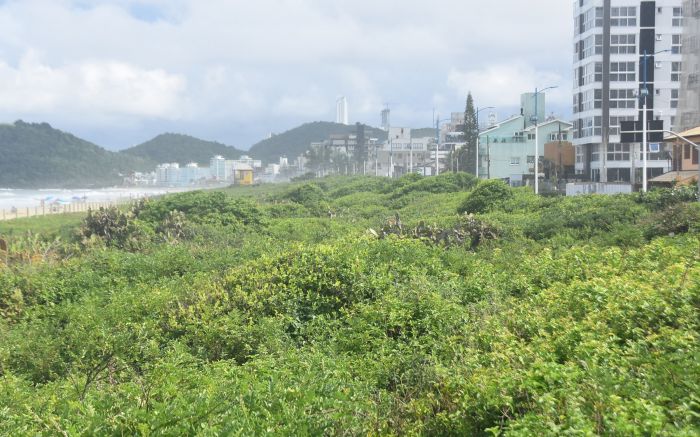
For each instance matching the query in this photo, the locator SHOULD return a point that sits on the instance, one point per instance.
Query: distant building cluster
(221, 171)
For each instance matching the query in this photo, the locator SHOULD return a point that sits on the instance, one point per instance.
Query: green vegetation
(39, 156)
(358, 306)
(182, 149)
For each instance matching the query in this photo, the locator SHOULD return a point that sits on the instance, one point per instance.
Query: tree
(467, 154)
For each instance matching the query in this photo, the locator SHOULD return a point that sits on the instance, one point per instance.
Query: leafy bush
(205, 208)
(570, 322)
(310, 195)
(116, 228)
(660, 198)
(676, 219)
(445, 183)
(486, 196)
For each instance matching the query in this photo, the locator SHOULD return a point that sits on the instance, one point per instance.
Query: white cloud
(107, 87)
(500, 85)
(270, 64)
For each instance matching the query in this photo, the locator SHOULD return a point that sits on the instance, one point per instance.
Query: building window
(623, 72)
(590, 126)
(674, 98)
(686, 151)
(587, 74)
(675, 71)
(590, 19)
(623, 16)
(658, 156)
(623, 98)
(676, 43)
(618, 152)
(623, 44)
(593, 45)
(530, 159)
(591, 99)
(515, 160)
(530, 136)
(558, 136)
(677, 17)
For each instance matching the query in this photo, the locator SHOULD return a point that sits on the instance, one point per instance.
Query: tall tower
(386, 118)
(610, 39)
(341, 112)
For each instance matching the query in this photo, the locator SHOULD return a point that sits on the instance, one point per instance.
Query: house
(685, 160)
(507, 149)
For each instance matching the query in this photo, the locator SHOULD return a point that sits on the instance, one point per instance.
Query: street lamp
(537, 138)
(643, 95)
(478, 131)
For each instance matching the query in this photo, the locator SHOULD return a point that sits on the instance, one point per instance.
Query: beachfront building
(507, 149)
(611, 39)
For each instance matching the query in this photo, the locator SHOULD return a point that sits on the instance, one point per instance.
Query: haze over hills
(35, 155)
(182, 149)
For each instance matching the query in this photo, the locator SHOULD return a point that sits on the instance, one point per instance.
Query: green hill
(294, 142)
(182, 149)
(36, 155)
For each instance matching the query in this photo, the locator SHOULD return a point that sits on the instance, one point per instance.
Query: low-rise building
(685, 160)
(507, 149)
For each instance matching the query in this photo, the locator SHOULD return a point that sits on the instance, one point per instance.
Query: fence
(54, 209)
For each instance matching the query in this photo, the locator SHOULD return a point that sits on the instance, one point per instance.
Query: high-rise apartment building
(611, 38)
(341, 113)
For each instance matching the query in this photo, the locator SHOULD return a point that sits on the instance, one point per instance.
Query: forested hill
(182, 149)
(294, 142)
(39, 156)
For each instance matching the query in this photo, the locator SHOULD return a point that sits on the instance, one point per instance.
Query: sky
(119, 72)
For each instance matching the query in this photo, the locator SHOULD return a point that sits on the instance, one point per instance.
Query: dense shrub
(581, 318)
(116, 228)
(205, 208)
(486, 196)
(445, 183)
(310, 195)
(660, 198)
(585, 216)
(676, 219)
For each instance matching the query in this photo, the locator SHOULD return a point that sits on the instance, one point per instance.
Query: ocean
(10, 197)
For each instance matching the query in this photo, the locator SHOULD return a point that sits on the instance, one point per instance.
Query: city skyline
(214, 71)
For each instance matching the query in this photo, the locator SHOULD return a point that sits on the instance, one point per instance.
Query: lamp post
(478, 131)
(537, 137)
(643, 95)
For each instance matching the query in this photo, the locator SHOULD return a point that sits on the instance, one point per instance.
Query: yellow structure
(243, 175)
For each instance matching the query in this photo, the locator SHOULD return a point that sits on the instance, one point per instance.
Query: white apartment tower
(611, 38)
(341, 112)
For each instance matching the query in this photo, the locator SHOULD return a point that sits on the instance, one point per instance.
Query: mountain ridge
(181, 148)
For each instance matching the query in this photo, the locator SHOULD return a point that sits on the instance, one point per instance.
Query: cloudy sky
(118, 72)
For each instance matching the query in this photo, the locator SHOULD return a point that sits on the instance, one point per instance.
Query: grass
(52, 225)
